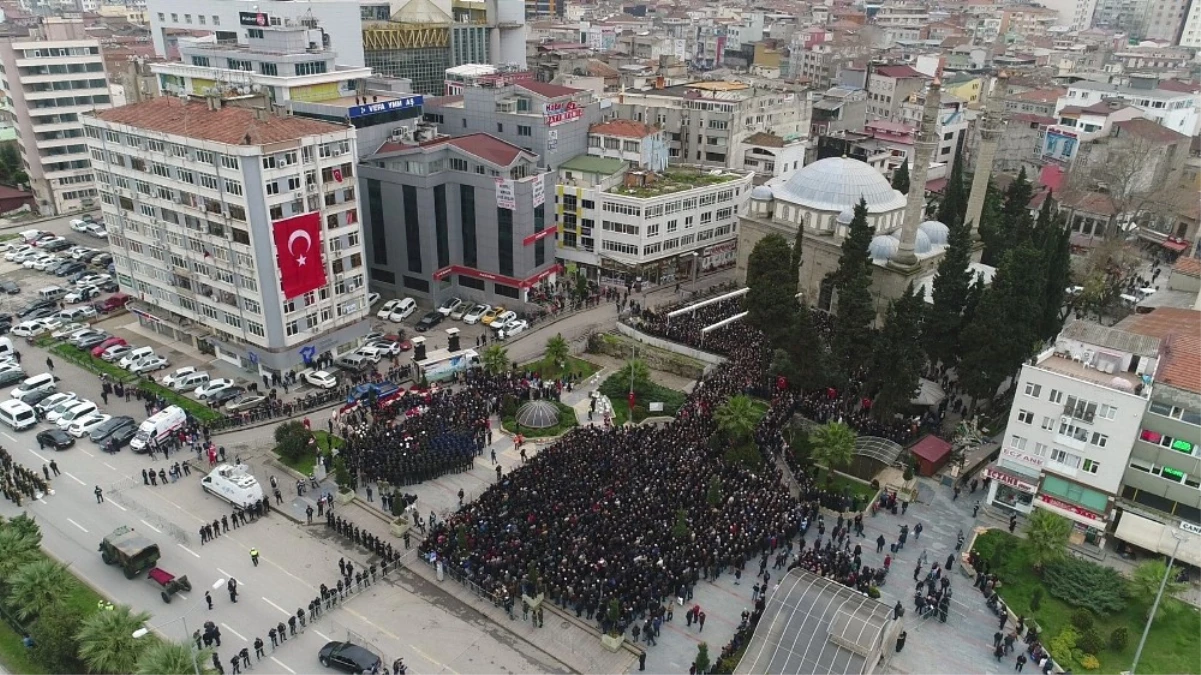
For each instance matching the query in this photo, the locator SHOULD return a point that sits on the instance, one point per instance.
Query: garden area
(1090, 616)
(567, 421)
(828, 445)
(557, 362)
(617, 388)
(294, 446)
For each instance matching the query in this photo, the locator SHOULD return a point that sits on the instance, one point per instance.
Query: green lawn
(841, 483)
(578, 368)
(306, 464)
(650, 392)
(1172, 646)
(567, 422)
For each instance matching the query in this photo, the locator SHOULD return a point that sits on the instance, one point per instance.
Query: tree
(953, 207)
(557, 352)
(702, 658)
(798, 252)
(1046, 537)
(1010, 223)
(680, 528)
(897, 364)
(737, 417)
(900, 178)
(106, 641)
(1053, 239)
(771, 285)
(495, 359)
(807, 354)
(945, 321)
(54, 639)
(37, 585)
(342, 475)
(292, 441)
(634, 371)
(856, 313)
(17, 548)
(165, 657)
(1145, 581)
(833, 444)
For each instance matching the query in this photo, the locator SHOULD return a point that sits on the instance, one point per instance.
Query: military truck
(129, 549)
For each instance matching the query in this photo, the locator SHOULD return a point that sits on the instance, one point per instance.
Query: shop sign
(1072, 508)
(1011, 481)
(558, 113)
(1189, 527)
(254, 19)
(505, 197)
(1022, 457)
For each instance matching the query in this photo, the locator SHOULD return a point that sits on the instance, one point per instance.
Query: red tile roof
(901, 71)
(1147, 129)
(547, 89)
(1188, 266)
(1179, 332)
(623, 128)
(230, 124)
(1178, 86)
(1039, 95)
(480, 145)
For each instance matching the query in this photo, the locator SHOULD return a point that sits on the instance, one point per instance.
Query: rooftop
(480, 145)
(231, 125)
(592, 164)
(1179, 330)
(1187, 266)
(1065, 364)
(901, 71)
(1149, 130)
(677, 180)
(623, 128)
(546, 89)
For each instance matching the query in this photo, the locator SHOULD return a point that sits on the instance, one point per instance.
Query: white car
(83, 294)
(92, 280)
(19, 250)
(150, 364)
(54, 400)
(514, 327)
(47, 263)
(206, 390)
(97, 230)
(476, 313)
(380, 348)
(79, 225)
(387, 309)
(83, 426)
(372, 298)
(76, 412)
(82, 335)
(320, 379)
(41, 259)
(53, 414)
(66, 331)
(503, 318)
(116, 352)
(44, 242)
(368, 353)
(80, 251)
(170, 379)
(30, 328)
(449, 305)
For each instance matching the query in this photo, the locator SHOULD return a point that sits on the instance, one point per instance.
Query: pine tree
(856, 312)
(900, 178)
(1012, 225)
(771, 288)
(1053, 239)
(944, 323)
(896, 364)
(953, 207)
(807, 353)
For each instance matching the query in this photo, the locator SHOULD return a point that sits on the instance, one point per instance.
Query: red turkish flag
(631, 399)
(338, 175)
(298, 254)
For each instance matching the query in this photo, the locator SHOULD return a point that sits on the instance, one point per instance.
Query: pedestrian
(274, 638)
(254, 556)
(1021, 663)
(975, 509)
(245, 654)
(700, 619)
(880, 541)
(208, 599)
(46, 472)
(258, 648)
(50, 364)
(235, 665)
(996, 638)
(309, 512)
(54, 467)
(232, 587)
(998, 652)
(99, 495)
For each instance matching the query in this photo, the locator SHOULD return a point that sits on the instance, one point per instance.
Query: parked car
(83, 294)
(53, 413)
(55, 244)
(113, 352)
(174, 375)
(98, 350)
(79, 225)
(64, 331)
(54, 438)
(387, 309)
(245, 402)
(92, 340)
(54, 400)
(514, 327)
(122, 436)
(502, 318)
(372, 298)
(212, 387)
(320, 379)
(430, 320)
(102, 432)
(381, 348)
(10, 374)
(81, 427)
(403, 310)
(31, 328)
(97, 230)
(35, 306)
(150, 364)
(69, 267)
(92, 279)
(449, 305)
(41, 261)
(87, 333)
(12, 253)
(10, 287)
(476, 313)
(224, 396)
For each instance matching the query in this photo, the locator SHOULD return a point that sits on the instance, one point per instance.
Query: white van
(190, 381)
(29, 235)
(158, 427)
(76, 412)
(43, 382)
(135, 356)
(6, 347)
(52, 293)
(17, 415)
(234, 484)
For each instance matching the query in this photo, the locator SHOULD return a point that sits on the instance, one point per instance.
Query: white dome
(883, 246)
(938, 233)
(835, 183)
(761, 192)
(921, 243)
(847, 215)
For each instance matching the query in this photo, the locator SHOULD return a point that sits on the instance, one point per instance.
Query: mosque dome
(936, 231)
(883, 246)
(847, 215)
(921, 243)
(761, 192)
(835, 183)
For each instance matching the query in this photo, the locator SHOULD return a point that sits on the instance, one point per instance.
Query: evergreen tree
(953, 207)
(896, 363)
(974, 292)
(945, 321)
(990, 226)
(1053, 239)
(856, 312)
(798, 249)
(806, 352)
(772, 286)
(1011, 224)
(900, 178)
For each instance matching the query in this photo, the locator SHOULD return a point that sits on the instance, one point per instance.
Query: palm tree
(635, 371)
(737, 418)
(1145, 582)
(163, 657)
(1046, 537)
(495, 359)
(557, 351)
(833, 444)
(106, 641)
(16, 549)
(37, 585)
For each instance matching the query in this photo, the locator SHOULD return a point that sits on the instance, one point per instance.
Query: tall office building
(234, 227)
(52, 75)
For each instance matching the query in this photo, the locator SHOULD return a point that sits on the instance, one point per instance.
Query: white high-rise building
(234, 227)
(52, 75)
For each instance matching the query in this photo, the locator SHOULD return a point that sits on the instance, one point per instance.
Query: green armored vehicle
(129, 549)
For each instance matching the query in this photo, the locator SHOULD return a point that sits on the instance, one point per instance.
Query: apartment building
(636, 143)
(1179, 111)
(888, 87)
(462, 216)
(1075, 416)
(615, 222)
(52, 75)
(234, 228)
(902, 19)
(1190, 35)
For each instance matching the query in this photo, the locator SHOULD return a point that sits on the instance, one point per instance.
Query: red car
(405, 344)
(99, 349)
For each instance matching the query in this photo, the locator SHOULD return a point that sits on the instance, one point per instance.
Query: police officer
(274, 638)
(258, 646)
(254, 556)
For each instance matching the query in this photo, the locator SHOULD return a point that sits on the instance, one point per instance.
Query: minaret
(991, 124)
(923, 149)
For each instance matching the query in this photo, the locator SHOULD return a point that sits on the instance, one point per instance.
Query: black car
(8, 377)
(225, 396)
(121, 437)
(55, 438)
(58, 245)
(430, 320)
(104, 431)
(41, 313)
(69, 267)
(36, 396)
(101, 260)
(9, 287)
(87, 257)
(347, 657)
(34, 306)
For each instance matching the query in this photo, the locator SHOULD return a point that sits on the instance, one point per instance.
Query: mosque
(820, 198)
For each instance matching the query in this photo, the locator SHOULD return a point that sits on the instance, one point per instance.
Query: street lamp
(1155, 605)
(144, 631)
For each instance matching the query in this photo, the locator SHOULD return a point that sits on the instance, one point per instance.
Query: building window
(310, 68)
(1033, 389)
(442, 235)
(240, 64)
(504, 241)
(467, 225)
(379, 235)
(1025, 417)
(524, 130)
(540, 245)
(412, 229)
(1056, 395)
(471, 282)
(1017, 442)
(268, 68)
(1090, 466)
(254, 33)
(202, 61)
(506, 291)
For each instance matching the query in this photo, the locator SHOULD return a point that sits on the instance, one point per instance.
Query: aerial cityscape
(544, 336)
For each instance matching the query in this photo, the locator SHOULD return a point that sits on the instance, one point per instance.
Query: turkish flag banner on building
(298, 254)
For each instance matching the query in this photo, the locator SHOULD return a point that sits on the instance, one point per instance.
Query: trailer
(443, 364)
